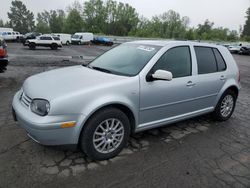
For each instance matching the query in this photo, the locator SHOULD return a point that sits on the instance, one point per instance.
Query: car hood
(65, 81)
(32, 40)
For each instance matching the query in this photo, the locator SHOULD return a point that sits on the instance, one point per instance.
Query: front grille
(25, 100)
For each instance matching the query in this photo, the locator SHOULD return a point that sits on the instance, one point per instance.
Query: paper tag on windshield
(146, 48)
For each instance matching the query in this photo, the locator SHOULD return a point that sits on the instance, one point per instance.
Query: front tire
(54, 46)
(225, 106)
(105, 134)
(32, 46)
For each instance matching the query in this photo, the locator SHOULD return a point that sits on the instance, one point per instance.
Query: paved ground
(194, 153)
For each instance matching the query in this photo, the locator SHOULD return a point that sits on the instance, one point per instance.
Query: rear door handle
(190, 84)
(222, 78)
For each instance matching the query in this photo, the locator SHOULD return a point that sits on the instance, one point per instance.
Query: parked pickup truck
(53, 42)
(29, 36)
(3, 56)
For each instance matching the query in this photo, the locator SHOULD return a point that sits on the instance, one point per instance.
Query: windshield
(126, 59)
(28, 34)
(75, 36)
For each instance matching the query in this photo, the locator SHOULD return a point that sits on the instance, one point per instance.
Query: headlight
(40, 107)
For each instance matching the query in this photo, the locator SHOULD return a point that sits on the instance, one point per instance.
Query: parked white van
(65, 38)
(82, 38)
(11, 35)
(8, 35)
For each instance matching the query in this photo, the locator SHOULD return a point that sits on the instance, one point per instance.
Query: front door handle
(190, 84)
(222, 77)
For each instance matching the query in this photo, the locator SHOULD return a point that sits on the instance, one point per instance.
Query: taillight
(2, 52)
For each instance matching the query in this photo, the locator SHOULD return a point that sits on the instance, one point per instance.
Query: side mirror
(162, 75)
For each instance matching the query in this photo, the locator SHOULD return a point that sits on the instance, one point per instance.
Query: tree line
(115, 18)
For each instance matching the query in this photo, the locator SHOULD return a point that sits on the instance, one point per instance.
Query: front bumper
(75, 41)
(46, 130)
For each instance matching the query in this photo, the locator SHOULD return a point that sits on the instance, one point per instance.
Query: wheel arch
(230, 85)
(124, 108)
(234, 89)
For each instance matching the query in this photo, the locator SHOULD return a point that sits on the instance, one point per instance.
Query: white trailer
(5, 29)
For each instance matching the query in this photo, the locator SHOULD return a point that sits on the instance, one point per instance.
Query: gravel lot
(195, 153)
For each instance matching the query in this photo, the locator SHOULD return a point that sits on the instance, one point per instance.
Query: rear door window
(48, 38)
(205, 59)
(56, 38)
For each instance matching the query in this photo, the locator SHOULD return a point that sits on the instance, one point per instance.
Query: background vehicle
(102, 40)
(245, 50)
(65, 38)
(82, 38)
(6, 33)
(234, 49)
(53, 42)
(3, 55)
(28, 36)
(18, 36)
(134, 87)
(11, 35)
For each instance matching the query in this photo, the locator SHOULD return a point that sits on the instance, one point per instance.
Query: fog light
(68, 124)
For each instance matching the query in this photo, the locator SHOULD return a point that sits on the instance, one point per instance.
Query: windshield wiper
(99, 69)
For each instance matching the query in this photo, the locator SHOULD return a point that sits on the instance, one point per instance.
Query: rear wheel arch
(234, 89)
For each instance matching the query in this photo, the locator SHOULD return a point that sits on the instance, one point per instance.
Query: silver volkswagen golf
(133, 87)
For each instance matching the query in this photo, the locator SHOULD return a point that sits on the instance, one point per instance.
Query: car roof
(168, 42)
(46, 35)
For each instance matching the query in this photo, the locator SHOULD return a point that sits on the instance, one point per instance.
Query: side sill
(163, 122)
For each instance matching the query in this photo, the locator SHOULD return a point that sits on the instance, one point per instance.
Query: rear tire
(105, 134)
(225, 106)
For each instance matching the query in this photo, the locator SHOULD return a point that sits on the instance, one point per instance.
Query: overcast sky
(226, 13)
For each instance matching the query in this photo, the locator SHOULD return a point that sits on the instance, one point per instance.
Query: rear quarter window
(206, 61)
(220, 60)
